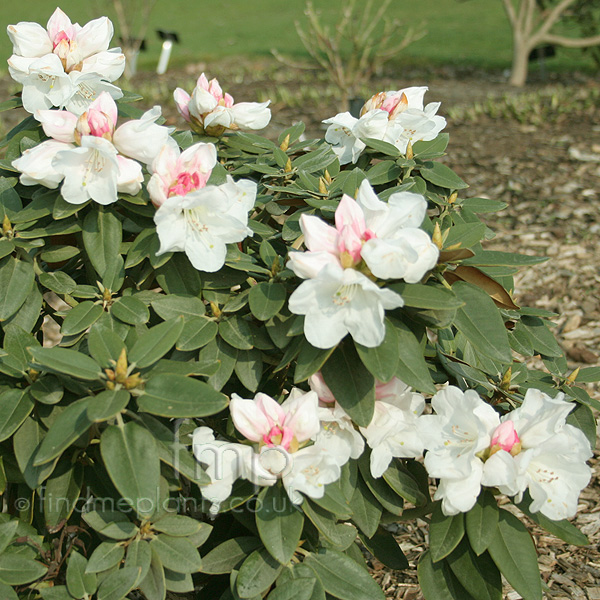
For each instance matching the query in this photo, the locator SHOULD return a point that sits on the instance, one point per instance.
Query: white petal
(58, 124)
(248, 419)
(251, 115)
(94, 37)
(36, 164)
(130, 177)
(29, 39)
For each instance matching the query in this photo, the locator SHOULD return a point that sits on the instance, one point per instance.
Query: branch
(553, 16)
(572, 42)
(510, 11)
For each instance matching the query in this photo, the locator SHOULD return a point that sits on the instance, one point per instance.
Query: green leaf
(341, 578)
(582, 417)
(102, 234)
(68, 362)
(513, 552)
(477, 574)
(482, 521)
(426, 296)
(386, 549)
(104, 346)
(431, 149)
(445, 533)
(340, 535)
(279, 523)
(493, 258)
(588, 375)
(178, 276)
(7, 533)
(442, 176)
(153, 586)
(176, 396)
(8, 593)
(80, 318)
(266, 300)
(198, 332)
(541, 337)
(16, 280)
(156, 342)
(177, 525)
(412, 368)
(58, 282)
(382, 361)
(119, 584)
(15, 406)
(171, 306)
(351, 383)
(309, 361)
(228, 555)
(437, 581)
(62, 492)
(464, 234)
(257, 573)
(19, 570)
(70, 424)
(381, 146)
(403, 483)
(131, 458)
(481, 323)
(176, 553)
(295, 589)
(107, 404)
(236, 332)
(131, 310)
(139, 555)
(562, 529)
(384, 172)
(366, 511)
(79, 583)
(47, 390)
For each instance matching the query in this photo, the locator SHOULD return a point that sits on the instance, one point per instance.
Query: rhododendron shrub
(228, 364)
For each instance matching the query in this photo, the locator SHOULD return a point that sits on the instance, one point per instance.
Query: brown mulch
(548, 172)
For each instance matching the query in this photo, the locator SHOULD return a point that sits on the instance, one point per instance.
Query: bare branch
(572, 42)
(510, 11)
(553, 16)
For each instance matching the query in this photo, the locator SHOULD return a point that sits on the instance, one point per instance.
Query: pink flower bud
(505, 438)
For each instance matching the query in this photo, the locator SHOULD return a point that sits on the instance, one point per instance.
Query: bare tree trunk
(520, 62)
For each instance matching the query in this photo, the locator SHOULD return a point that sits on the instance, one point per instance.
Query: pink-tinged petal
(182, 100)
(309, 264)
(270, 408)
(318, 235)
(251, 115)
(59, 22)
(200, 157)
(201, 103)
(350, 214)
(317, 384)
(94, 37)
(105, 104)
(130, 177)
(248, 419)
(202, 82)
(58, 124)
(302, 415)
(219, 117)
(29, 40)
(215, 89)
(36, 164)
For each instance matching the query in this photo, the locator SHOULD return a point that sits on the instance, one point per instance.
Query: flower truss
(370, 239)
(399, 118)
(531, 447)
(194, 217)
(64, 65)
(208, 110)
(278, 446)
(91, 158)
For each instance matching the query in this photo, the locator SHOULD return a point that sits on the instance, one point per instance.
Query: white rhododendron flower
(209, 110)
(89, 155)
(531, 448)
(194, 217)
(65, 65)
(372, 237)
(396, 117)
(536, 449)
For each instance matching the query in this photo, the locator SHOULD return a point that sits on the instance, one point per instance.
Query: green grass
(463, 32)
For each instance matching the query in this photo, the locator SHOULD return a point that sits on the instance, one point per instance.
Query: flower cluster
(64, 65)
(396, 117)
(371, 239)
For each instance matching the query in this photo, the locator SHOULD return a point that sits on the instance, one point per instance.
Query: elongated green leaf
(266, 300)
(443, 176)
(178, 276)
(403, 483)
(19, 570)
(176, 553)
(107, 404)
(426, 296)
(131, 310)
(16, 280)
(382, 361)
(139, 555)
(257, 573)
(438, 582)
(7, 533)
(279, 523)
(431, 149)
(228, 555)
(513, 552)
(177, 396)
(310, 360)
(119, 584)
(79, 583)
(81, 317)
(481, 323)
(340, 535)
(69, 425)
(386, 549)
(171, 306)
(495, 258)
(477, 574)
(69, 362)
(131, 458)
(295, 589)
(104, 346)
(15, 406)
(351, 383)
(156, 342)
(153, 586)
(177, 525)
(541, 337)
(58, 282)
(445, 533)
(249, 368)
(366, 511)
(62, 492)
(47, 390)
(482, 521)
(236, 332)
(412, 368)
(341, 578)
(102, 233)
(198, 331)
